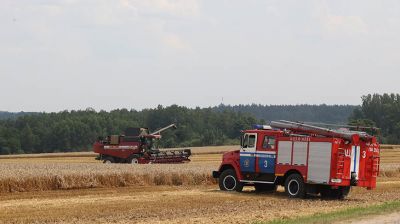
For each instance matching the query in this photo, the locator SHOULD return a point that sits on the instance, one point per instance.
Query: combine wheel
(294, 186)
(134, 161)
(108, 160)
(265, 187)
(228, 181)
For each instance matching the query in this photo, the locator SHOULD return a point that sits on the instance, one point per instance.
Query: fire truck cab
(302, 162)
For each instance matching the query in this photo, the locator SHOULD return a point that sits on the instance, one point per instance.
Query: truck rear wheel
(344, 192)
(265, 187)
(339, 193)
(228, 181)
(294, 186)
(108, 160)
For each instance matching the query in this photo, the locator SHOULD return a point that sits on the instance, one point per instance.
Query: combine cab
(136, 147)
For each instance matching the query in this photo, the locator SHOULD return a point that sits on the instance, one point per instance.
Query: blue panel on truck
(247, 162)
(266, 163)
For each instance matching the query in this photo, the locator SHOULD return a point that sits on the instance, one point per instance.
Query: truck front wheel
(228, 181)
(294, 186)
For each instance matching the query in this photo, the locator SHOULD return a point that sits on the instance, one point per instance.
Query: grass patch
(341, 215)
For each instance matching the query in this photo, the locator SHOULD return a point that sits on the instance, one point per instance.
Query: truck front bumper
(216, 174)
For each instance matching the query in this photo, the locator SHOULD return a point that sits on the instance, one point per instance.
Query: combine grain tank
(305, 159)
(136, 146)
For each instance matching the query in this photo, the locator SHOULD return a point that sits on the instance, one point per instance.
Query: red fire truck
(303, 158)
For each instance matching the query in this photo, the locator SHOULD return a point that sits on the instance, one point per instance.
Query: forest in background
(335, 114)
(67, 131)
(76, 130)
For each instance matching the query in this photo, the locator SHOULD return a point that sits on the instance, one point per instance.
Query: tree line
(67, 131)
(336, 114)
(77, 130)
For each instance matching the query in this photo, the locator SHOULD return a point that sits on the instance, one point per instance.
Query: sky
(75, 54)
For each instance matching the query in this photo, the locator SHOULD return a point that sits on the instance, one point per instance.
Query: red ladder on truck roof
(340, 162)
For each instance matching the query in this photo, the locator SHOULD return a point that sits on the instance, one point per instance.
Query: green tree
(27, 139)
(382, 111)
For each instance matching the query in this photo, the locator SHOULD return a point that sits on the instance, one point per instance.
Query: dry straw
(17, 177)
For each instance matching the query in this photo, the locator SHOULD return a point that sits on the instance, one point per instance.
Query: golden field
(70, 188)
(44, 174)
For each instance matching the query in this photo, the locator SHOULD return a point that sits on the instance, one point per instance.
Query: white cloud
(344, 25)
(339, 25)
(181, 8)
(176, 42)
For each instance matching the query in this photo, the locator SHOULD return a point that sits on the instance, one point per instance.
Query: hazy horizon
(212, 106)
(71, 55)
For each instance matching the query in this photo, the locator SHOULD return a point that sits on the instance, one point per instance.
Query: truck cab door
(248, 153)
(266, 155)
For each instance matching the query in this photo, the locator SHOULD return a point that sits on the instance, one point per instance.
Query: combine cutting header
(136, 146)
(305, 159)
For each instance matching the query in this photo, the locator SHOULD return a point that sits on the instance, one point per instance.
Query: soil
(163, 204)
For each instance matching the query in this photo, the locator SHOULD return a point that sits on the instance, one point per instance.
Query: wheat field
(39, 177)
(57, 173)
(38, 173)
(79, 189)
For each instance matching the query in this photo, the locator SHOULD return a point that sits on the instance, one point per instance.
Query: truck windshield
(269, 142)
(245, 141)
(249, 141)
(252, 141)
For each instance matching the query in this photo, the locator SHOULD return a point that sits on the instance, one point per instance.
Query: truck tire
(326, 193)
(339, 193)
(108, 160)
(294, 186)
(344, 192)
(228, 181)
(265, 187)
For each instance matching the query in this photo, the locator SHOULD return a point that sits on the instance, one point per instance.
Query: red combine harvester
(136, 147)
(303, 158)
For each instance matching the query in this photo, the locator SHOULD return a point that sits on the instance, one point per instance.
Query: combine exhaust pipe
(306, 128)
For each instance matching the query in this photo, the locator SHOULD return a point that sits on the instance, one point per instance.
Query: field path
(170, 205)
(393, 218)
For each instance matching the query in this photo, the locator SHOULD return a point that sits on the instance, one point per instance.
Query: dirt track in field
(171, 204)
(393, 218)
